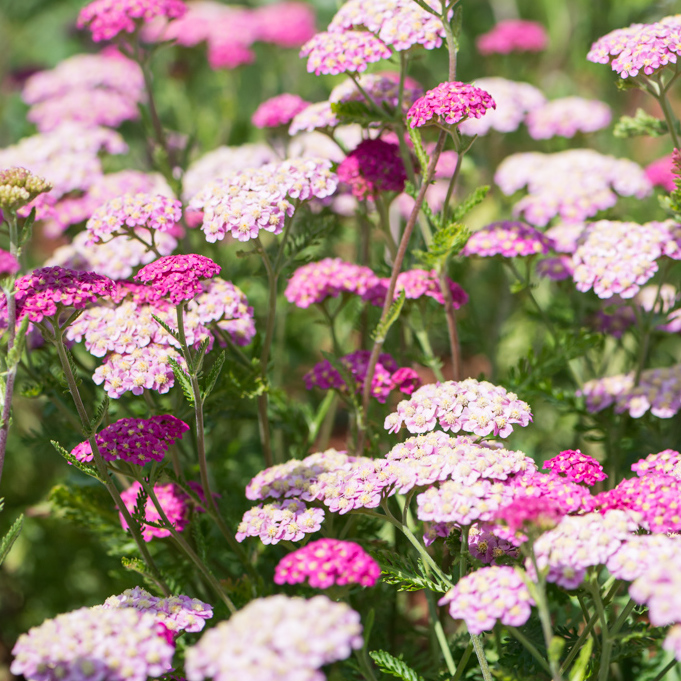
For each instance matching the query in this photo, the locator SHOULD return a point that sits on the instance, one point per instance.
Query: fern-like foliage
(394, 666)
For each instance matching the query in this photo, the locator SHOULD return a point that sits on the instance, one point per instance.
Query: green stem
(606, 641)
(668, 667)
(463, 661)
(433, 362)
(480, 654)
(619, 622)
(669, 117)
(450, 316)
(530, 647)
(440, 633)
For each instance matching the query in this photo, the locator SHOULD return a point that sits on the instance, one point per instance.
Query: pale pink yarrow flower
(107, 18)
(178, 277)
(513, 35)
(351, 51)
(327, 562)
(279, 110)
(449, 104)
(316, 116)
(508, 239)
(487, 595)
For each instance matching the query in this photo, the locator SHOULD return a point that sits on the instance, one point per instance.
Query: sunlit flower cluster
(576, 467)
(346, 52)
(288, 520)
(566, 117)
(449, 104)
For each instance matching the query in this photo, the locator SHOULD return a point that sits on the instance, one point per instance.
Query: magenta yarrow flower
(415, 284)
(661, 173)
(449, 104)
(8, 264)
(471, 406)
(667, 462)
(640, 47)
(527, 512)
(288, 520)
(274, 638)
(278, 111)
(48, 291)
(576, 467)
(327, 562)
(135, 440)
(318, 116)
(347, 52)
(105, 19)
(94, 644)
(566, 117)
(176, 613)
(513, 35)
(488, 595)
(508, 239)
(178, 277)
(121, 215)
(374, 166)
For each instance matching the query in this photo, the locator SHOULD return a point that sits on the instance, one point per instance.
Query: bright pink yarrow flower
(449, 104)
(134, 440)
(350, 51)
(105, 19)
(178, 277)
(661, 173)
(513, 35)
(8, 264)
(48, 291)
(278, 111)
(576, 467)
(328, 562)
(374, 166)
(541, 512)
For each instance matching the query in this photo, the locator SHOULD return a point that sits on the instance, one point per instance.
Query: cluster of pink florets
(416, 284)
(328, 562)
(513, 35)
(135, 440)
(508, 239)
(566, 117)
(278, 111)
(487, 595)
(661, 173)
(288, 520)
(576, 467)
(540, 512)
(8, 264)
(105, 19)
(347, 52)
(319, 116)
(373, 167)
(449, 104)
(640, 47)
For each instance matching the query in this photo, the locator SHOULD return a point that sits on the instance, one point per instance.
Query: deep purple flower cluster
(374, 166)
(449, 104)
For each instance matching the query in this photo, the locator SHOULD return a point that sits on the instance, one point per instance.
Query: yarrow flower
(661, 173)
(513, 99)
(46, 292)
(640, 553)
(178, 277)
(640, 47)
(667, 462)
(566, 117)
(449, 104)
(175, 613)
(619, 257)
(174, 502)
(328, 562)
(513, 35)
(659, 590)
(383, 88)
(122, 215)
(573, 184)
(19, 186)
(274, 638)
(288, 520)
(94, 644)
(8, 264)
(576, 467)
(374, 166)
(473, 406)
(245, 202)
(350, 51)
(487, 595)
(415, 284)
(277, 111)
(135, 440)
(508, 239)
(105, 19)
(314, 117)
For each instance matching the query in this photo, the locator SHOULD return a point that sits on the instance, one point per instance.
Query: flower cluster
(640, 47)
(176, 613)
(387, 375)
(382, 88)
(576, 467)
(508, 239)
(667, 462)
(279, 110)
(317, 116)
(327, 562)
(373, 167)
(349, 51)
(171, 498)
(178, 277)
(288, 520)
(105, 19)
(573, 184)
(415, 284)
(513, 35)
(135, 440)
(566, 117)
(19, 187)
(449, 104)
(8, 263)
(619, 257)
(540, 512)
(245, 202)
(486, 546)
(487, 595)
(276, 638)
(513, 99)
(569, 496)
(477, 407)
(658, 588)
(313, 283)
(122, 215)
(660, 173)
(94, 644)
(48, 291)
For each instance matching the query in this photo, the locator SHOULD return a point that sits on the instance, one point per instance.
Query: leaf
(405, 572)
(417, 141)
(446, 242)
(470, 202)
(167, 328)
(393, 666)
(641, 124)
(11, 536)
(381, 331)
(14, 355)
(86, 468)
(580, 666)
(27, 228)
(182, 379)
(358, 112)
(200, 355)
(213, 374)
(96, 420)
